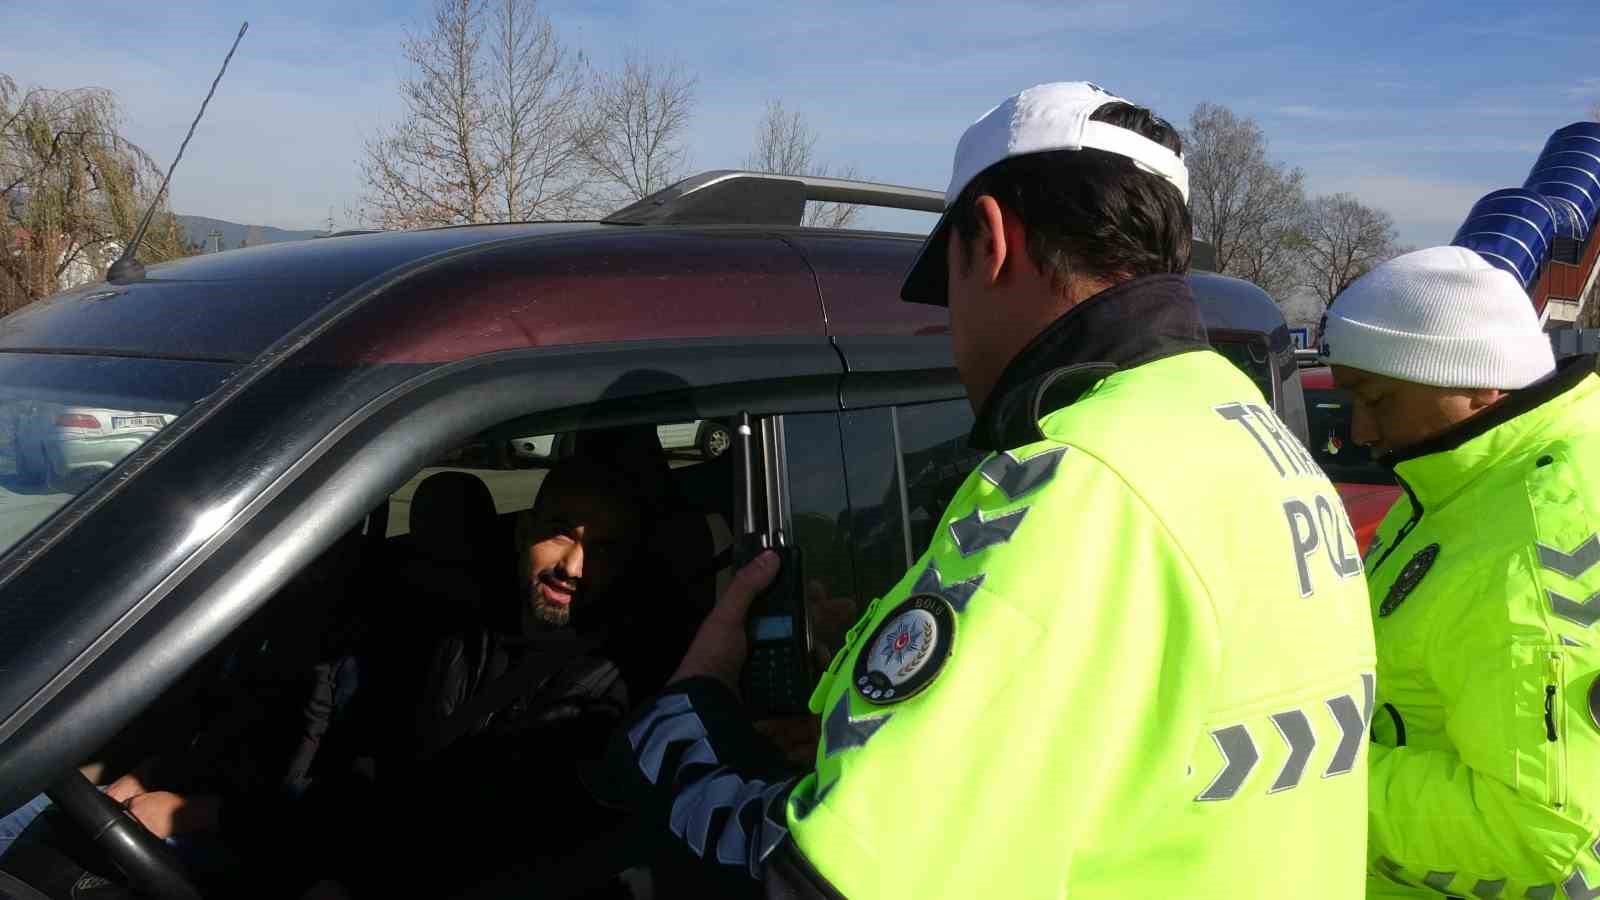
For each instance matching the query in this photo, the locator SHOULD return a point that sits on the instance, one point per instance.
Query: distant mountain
(233, 234)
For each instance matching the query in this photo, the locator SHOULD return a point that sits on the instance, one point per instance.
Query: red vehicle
(1367, 487)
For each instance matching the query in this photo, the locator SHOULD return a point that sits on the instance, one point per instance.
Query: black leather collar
(1568, 373)
(1126, 325)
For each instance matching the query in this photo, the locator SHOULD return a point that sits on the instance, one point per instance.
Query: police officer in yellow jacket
(1485, 582)
(1122, 669)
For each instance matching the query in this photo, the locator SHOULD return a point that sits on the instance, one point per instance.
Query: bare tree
(786, 144)
(72, 190)
(635, 126)
(1244, 204)
(536, 95)
(1340, 240)
(432, 168)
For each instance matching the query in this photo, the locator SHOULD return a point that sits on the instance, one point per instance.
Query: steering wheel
(147, 862)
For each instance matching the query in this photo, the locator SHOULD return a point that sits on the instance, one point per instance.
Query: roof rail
(732, 197)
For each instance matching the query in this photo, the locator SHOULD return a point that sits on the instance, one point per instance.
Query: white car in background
(710, 439)
(52, 443)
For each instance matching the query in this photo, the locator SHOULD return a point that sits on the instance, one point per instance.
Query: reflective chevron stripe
(1392, 869)
(842, 731)
(671, 720)
(1577, 886)
(1439, 881)
(1240, 753)
(691, 811)
(957, 594)
(1489, 890)
(1586, 613)
(1354, 727)
(1239, 756)
(974, 534)
(1583, 557)
(1295, 729)
(1015, 477)
(755, 822)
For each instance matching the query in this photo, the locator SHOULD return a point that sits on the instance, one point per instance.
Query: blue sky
(1416, 106)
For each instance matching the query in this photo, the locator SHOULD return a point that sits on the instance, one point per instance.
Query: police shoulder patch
(1408, 579)
(907, 650)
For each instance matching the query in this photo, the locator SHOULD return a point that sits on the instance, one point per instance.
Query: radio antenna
(127, 267)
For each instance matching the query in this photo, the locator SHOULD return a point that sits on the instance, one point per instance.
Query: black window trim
(351, 469)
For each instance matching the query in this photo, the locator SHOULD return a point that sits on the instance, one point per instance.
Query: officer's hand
(719, 647)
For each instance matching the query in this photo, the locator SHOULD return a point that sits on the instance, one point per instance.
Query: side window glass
(819, 513)
(878, 543)
(936, 460)
(1253, 359)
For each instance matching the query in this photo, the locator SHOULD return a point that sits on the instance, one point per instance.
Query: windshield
(1328, 412)
(65, 421)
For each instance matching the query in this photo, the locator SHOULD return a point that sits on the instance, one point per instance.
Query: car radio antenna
(127, 267)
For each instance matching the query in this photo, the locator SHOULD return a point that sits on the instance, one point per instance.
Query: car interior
(304, 720)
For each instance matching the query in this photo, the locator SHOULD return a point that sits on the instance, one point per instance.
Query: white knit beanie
(1442, 316)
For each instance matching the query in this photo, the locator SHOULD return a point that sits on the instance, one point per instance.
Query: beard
(544, 612)
(541, 612)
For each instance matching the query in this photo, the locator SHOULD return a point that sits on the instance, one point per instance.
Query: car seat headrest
(452, 516)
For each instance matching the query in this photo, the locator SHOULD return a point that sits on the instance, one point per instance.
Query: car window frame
(354, 467)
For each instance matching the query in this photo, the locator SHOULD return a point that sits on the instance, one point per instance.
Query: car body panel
(1366, 505)
(859, 277)
(616, 285)
(233, 306)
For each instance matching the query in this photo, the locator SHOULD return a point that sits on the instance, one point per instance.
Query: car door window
(936, 459)
(513, 468)
(878, 543)
(819, 511)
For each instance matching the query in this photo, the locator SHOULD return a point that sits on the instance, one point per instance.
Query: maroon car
(338, 460)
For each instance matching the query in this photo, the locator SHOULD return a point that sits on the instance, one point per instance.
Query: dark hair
(1089, 212)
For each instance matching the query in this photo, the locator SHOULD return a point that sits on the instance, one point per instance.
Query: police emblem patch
(1408, 579)
(907, 650)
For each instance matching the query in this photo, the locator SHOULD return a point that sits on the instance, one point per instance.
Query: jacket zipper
(1406, 529)
(1555, 725)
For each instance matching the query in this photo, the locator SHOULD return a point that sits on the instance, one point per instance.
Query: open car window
(513, 468)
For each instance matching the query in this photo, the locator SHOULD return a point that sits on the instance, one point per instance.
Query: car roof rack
(733, 197)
